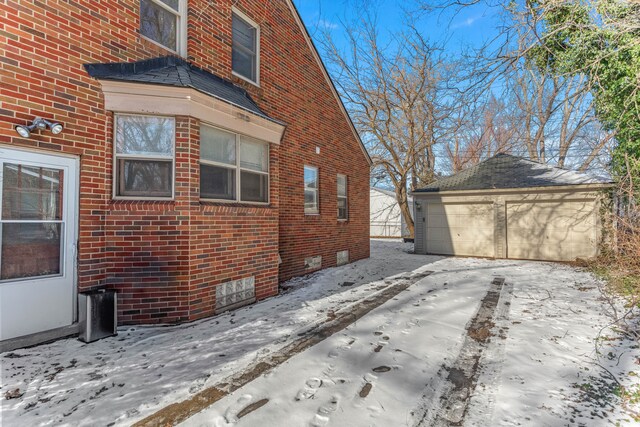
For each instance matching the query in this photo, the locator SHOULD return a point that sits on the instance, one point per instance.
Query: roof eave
(315, 53)
(539, 189)
(139, 98)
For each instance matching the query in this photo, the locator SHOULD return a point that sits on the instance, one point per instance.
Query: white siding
(386, 218)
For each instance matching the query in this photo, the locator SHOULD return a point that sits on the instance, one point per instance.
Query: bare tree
(555, 101)
(543, 115)
(556, 117)
(481, 130)
(396, 94)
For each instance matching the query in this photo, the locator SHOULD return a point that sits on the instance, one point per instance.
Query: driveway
(465, 342)
(477, 342)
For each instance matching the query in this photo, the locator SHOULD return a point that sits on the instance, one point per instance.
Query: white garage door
(460, 229)
(554, 231)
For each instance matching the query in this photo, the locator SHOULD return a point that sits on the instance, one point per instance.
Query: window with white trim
(343, 209)
(245, 48)
(164, 22)
(233, 167)
(311, 190)
(144, 156)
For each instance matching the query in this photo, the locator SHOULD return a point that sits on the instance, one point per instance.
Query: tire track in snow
(446, 399)
(178, 412)
(482, 405)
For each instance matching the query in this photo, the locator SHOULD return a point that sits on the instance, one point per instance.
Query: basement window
(235, 293)
(144, 157)
(313, 263)
(342, 257)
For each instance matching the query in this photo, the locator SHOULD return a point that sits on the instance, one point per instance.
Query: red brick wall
(165, 257)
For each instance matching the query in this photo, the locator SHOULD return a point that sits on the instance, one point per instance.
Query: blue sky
(471, 26)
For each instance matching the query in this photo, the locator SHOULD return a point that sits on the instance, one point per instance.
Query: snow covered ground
(548, 356)
(391, 368)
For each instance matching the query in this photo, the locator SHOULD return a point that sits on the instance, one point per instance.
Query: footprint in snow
(321, 418)
(365, 390)
(375, 410)
(231, 414)
(319, 421)
(328, 371)
(379, 346)
(368, 383)
(309, 391)
(344, 347)
(330, 407)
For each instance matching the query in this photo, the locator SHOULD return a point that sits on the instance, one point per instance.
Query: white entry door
(38, 195)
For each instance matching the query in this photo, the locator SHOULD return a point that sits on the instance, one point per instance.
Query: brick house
(203, 157)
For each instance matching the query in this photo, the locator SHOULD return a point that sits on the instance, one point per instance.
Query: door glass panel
(30, 250)
(31, 193)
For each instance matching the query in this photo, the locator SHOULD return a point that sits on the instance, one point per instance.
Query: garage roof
(506, 171)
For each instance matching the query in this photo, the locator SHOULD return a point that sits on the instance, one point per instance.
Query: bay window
(144, 156)
(233, 167)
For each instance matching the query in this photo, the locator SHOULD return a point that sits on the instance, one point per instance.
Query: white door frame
(70, 207)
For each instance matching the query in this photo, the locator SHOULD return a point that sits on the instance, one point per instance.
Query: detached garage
(510, 207)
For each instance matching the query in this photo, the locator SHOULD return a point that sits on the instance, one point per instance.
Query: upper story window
(144, 156)
(233, 167)
(164, 22)
(245, 60)
(343, 210)
(311, 205)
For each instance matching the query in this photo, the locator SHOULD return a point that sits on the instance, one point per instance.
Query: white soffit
(140, 98)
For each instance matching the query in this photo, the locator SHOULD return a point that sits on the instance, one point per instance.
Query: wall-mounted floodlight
(38, 124)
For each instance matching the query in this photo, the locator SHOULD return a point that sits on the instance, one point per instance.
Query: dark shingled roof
(174, 71)
(505, 171)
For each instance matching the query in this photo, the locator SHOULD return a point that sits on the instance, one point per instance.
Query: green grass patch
(620, 282)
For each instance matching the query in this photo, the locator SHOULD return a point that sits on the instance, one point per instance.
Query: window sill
(233, 203)
(246, 79)
(141, 205)
(125, 199)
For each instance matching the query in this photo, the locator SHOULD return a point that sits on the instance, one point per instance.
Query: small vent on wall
(313, 263)
(342, 257)
(235, 293)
